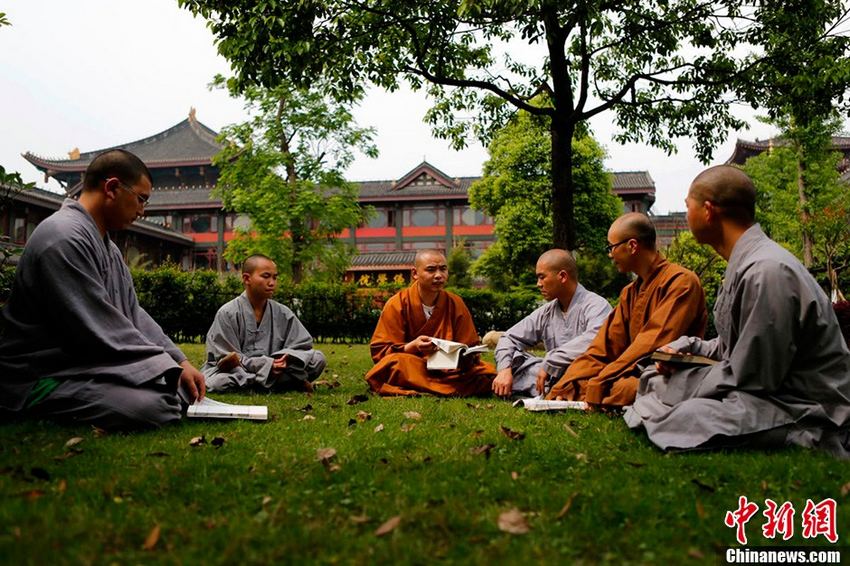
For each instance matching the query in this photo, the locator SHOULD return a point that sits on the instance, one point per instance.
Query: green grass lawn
(448, 473)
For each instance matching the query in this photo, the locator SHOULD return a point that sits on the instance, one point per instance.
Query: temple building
(424, 208)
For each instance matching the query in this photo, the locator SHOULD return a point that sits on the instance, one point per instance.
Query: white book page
(212, 409)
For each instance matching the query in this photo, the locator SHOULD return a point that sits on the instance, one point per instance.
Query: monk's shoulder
(676, 274)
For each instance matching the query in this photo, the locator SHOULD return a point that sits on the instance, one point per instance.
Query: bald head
(729, 189)
(556, 260)
(423, 256)
(251, 264)
(635, 225)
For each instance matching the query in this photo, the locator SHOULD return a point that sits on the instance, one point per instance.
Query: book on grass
(681, 359)
(540, 404)
(210, 409)
(448, 353)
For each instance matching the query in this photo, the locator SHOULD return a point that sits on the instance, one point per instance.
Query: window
(384, 218)
(19, 233)
(206, 259)
(376, 247)
(467, 216)
(425, 216)
(423, 245)
(200, 224)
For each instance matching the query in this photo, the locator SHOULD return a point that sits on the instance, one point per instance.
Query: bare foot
(229, 362)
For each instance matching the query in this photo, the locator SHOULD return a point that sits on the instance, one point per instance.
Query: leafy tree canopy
(284, 169)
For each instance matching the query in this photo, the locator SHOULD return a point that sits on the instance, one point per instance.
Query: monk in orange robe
(402, 340)
(664, 302)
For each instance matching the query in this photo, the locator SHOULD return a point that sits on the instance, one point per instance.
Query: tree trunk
(805, 217)
(292, 183)
(563, 209)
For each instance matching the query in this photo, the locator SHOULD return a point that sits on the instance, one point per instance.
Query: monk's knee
(318, 363)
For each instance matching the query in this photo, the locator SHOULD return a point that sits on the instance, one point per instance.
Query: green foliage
(661, 66)
(4, 21)
(704, 261)
(459, 262)
(494, 310)
(516, 190)
(11, 185)
(284, 169)
(263, 496)
(598, 273)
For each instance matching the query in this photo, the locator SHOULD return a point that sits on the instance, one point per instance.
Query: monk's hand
(193, 380)
(421, 345)
(542, 376)
(662, 368)
(504, 382)
(279, 363)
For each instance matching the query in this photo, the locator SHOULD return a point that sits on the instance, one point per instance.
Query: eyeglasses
(610, 247)
(143, 199)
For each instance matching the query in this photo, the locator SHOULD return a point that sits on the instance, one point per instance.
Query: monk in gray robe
(76, 345)
(256, 341)
(565, 325)
(783, 370)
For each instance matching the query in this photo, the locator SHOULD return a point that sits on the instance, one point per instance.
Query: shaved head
(559, 260)
(427, 253)
(729, 189)
(251, 264)
(635, 225)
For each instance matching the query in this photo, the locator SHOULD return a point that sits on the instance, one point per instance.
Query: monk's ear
(245, 278)
(413, 275)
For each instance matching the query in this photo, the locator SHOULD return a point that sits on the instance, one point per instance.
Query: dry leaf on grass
(379, 428)
(63, 485)
(569, 429)
(359, 519)
(514, 476)
(388, 526)
(153, 538)
(413, 415)
(358, 399)
(306, 408)
(308, 418)
(325, 454)
(700, 509)
(566, 508)
(69, 454)
(483, 449)
(696, 553)
(475, 406)
(845, 489)
(99, 432)
(363, 416)
(476, 433)
(73, 442)
(33, 494)
(513, 521)
(407, 427)
(512, 434)
(266, 500)
(197, 441)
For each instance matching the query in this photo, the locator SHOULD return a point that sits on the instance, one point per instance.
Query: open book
(540, 404)
(681, 359)
(210, 409)
(448, 353)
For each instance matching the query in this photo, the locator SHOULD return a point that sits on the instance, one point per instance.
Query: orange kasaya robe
(402, 320)
(651, 314)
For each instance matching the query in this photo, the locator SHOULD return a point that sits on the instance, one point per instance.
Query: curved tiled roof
(187, 143)
(744, 149)
(383, 260)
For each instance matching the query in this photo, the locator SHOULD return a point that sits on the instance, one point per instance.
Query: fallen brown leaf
(475, 406)
(153, 538)
(379, 428)
(764, 485)
(73, 441)
(306, 408)
(483, 449)
(363, 416)
(413, 415)
(359, 519)
(582, 457)
(514, 476)
(388, 526)
(407, 427)
(358, 399)
(69, 454)
(266, 500)
(700, 509)
(845, 489)
(512, 434)
(33, 494)
(63, 485)
(325, 454)
(513, 522)
(308, 418)
(569, 429)
(99, 432)
(696, 553)
(197, 441)
(566, 508)
(476, 433)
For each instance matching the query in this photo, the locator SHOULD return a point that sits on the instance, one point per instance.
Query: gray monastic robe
(783, 364)
(73, 315)
(235, 329)
(565, 335)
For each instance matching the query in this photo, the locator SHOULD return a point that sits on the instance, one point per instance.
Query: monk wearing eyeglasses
(664, 302)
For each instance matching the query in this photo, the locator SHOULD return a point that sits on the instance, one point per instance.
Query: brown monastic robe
(651, 313)
(402, 320)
